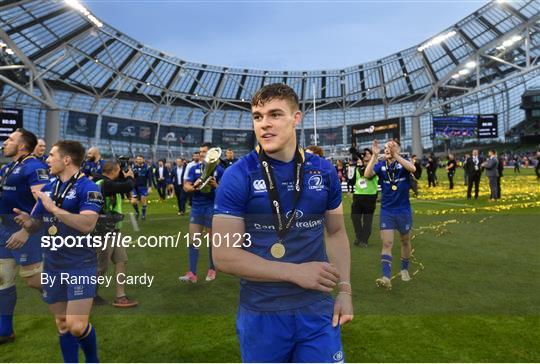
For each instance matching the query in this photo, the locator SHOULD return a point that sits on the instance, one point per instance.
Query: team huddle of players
(288, 201)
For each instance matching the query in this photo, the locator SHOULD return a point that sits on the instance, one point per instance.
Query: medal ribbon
(280, 222)
(391, 173)
(58, 198)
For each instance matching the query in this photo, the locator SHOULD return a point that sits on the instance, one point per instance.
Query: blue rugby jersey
(391, 199)
(200, 198)
(90, 168)
(17, 191)
(242, 192)
(143, 175)
(84, 195)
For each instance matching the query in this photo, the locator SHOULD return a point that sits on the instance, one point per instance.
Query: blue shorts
(29, 254)
(301, 335)
(400, 220)
(63, 291)
(139, 191)
(202, 215)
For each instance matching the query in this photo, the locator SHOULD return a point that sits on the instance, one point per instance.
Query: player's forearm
(406, 164)
(188, 187)
(339, 253)
(368, 173)
(85, 223)
(249, 266)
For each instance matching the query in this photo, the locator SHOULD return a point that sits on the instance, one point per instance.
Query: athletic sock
(404, 263)
(8, 299)
(144, 210)
(193, 259)
(88, 344)
(386, 265)
(69, 346)
(136, 208)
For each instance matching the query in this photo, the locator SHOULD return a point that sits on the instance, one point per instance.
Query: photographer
(113, 183)
(364, 198)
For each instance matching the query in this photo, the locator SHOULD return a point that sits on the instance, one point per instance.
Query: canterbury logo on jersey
(259, 185)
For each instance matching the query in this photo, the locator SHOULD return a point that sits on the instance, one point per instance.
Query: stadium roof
(70, 49)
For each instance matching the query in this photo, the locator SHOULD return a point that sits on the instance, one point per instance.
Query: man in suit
(416, 175)
(451, 166)
(473, 166)
(492, 173)
(161, 174)
(178, 174)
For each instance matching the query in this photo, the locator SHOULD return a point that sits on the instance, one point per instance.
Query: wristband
(345, 292)
(344, 283)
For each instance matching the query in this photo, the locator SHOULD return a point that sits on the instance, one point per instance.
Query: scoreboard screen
(488, 126)
(10, 120)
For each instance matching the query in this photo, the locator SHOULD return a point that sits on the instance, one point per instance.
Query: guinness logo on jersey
(315, 182)
(259, 185)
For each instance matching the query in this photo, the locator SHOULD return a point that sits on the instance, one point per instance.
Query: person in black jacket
(431, 168)
(178, 175)
(161, 175)
(451, 166)
(473, 166)
(500, 167)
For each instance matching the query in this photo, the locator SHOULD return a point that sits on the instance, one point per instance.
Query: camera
(107, 223)
(124, 162)
(355, 153)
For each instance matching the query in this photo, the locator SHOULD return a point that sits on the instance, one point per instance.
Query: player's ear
(297, 117)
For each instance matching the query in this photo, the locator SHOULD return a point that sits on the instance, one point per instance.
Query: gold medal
(277, 250)
(53, 230)
(394, 188)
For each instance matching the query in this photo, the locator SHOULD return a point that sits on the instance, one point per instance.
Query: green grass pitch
(476, 300)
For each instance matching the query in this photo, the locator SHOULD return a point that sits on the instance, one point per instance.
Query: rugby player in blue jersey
(200, 217)
(394, 174)
(143, 180)
(21, 179)
(68, 207)
(93, 164)
(281, 202)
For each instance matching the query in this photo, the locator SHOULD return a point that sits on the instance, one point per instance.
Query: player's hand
(213, 182)
(17, 239)
(197, 183)
(393, 149)
(319, 276)
(47, 202)
(22, 218)
(343, 310)
(149, 190)
(375, 148)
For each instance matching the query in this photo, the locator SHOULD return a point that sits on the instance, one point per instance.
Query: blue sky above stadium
(281, 35)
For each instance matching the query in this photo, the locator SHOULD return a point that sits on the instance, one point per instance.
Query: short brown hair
(110, 166)
(274, 91)
(316, 150)
(72, 148)
(28, 138)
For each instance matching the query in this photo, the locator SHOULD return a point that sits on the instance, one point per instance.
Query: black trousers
(451, 180)
(362, 210)
(181, 197)
(414, 186)
(474, 179)
(161, 188)
(431, 178)
(499, 187)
